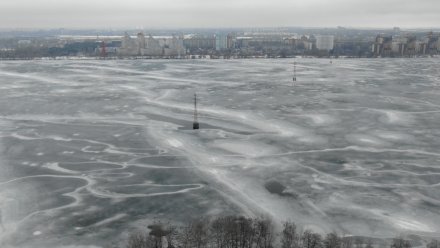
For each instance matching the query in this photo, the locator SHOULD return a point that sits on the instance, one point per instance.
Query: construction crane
(103, 49)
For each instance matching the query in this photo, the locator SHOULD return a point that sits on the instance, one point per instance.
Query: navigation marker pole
(196, 118)
(294, 73)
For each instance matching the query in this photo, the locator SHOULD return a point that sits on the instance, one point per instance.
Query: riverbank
(199, 57)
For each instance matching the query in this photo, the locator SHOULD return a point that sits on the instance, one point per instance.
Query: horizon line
(213, 27)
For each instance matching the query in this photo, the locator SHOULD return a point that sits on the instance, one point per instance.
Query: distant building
(325, 42)
(304, 43)
(24, 43)
(432, 43)
(398, 45)
(194, 42)
(308, 45)
(129, 46)
(406, 46)
(376, 47)
(412, 46)
(140, 42)
(262, 42)
(173, 46)
(231, 41)
(382, 46)
(221, 42)
(152, 46)
(290, 41)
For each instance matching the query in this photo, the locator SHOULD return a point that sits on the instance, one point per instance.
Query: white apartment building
(325, 42)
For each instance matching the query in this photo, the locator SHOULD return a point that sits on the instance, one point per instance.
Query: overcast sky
(218, 13)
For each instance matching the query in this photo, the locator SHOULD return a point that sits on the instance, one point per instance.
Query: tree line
(242, 232)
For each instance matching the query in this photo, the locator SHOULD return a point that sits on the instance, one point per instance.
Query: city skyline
(218, 14)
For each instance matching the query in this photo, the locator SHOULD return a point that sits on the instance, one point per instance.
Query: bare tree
(347, 242)
(358, 242)
(369, 244)
(310, 239)
(185, 237)
(289, 236)
(137, 240)
(157, 234)
(332, 240)
(219, 232)
(264, 233)
(171, 235)
(433, 244)
(195, 234)
(400, 243)
(240, 232)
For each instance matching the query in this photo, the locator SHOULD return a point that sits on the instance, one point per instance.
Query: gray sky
(217, 13)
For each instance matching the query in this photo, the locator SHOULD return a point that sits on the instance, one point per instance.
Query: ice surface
(91, 150)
